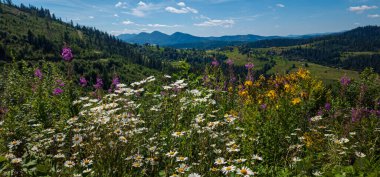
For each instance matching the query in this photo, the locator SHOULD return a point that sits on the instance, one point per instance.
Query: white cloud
(142, 4)
(121, 5)
(362, 8)
(142, 8)
(182, 4)
(215, 22)
(162, 26)
(192, 10)
(280, 5)
(115, 15)
(127, 22)
(183, 10)
(374, 16)
(91, 17)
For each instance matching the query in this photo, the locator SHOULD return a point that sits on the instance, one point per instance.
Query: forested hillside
(35, 34)
(355, 49)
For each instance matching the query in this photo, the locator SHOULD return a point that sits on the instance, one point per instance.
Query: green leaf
(30, 163)
(2, 159)
(162, 173)
(42, 169)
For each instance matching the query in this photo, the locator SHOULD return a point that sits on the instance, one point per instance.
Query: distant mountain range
(183, 40)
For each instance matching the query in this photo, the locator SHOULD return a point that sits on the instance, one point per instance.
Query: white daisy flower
(296, 159)
(69, 164)
(16, 160)
(137, 164)
(257, 157)
(59, 156)
(317, 173)
(228, 169)
(220, 161)
(178, 134)
(171, 154)
(360, 154)
(182, 168)
(14, 143)
(86, 162)
(181, 159)
(244, 171)
(77, 139)
(316, 118)
(88, 170)
(240, 160)
(194, 175)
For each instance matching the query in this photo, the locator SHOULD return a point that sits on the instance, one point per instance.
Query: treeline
(359, 39)
(330, 50)
(360, 62)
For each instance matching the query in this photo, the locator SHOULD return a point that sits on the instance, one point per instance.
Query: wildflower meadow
(54, 122)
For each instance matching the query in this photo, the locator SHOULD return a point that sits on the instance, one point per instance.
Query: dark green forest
(355, 49)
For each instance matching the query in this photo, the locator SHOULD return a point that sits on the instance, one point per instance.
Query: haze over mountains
(183, 40)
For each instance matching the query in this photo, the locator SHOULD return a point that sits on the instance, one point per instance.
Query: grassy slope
(240, 59)
(327, 74)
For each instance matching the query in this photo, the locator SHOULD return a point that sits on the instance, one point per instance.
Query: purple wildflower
(83, 81)
(263, 106)
(115, 81)
(99, 83)
(327, 106)
(60, 82)
(67, 55)
(215, 63)
(229, 62)
(38, 73)
(345, 81)
(57, 91)
(249, 65)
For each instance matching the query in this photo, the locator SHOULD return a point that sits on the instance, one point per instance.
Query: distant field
(327, 74)
(346, 55)
(324, 73)
(240, 59)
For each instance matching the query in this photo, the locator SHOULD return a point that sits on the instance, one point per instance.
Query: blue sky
(216, 17)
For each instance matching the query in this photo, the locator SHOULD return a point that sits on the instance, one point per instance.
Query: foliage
(330, 49)
(285, 125)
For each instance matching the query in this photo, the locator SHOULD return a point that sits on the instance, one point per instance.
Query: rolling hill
(37, 36)
(183, 40)
(34, 33)
(354, 49)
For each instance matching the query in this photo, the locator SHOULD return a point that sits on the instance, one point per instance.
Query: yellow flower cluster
(294, 87)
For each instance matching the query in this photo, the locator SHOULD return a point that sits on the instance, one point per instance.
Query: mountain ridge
(184, 40)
